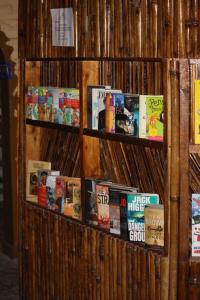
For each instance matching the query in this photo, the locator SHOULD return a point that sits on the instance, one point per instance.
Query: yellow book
(196, 112)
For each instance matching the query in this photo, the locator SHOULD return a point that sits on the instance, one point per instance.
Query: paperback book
(154, 225)
(135, 214)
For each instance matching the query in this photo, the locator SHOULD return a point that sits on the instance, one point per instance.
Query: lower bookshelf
(64, 259)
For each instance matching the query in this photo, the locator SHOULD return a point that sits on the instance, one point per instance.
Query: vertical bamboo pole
(174, 180)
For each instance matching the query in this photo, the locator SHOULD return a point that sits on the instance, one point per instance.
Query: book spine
(123, 216)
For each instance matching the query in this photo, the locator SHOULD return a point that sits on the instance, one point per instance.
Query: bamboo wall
(119, 29)
(114, 28)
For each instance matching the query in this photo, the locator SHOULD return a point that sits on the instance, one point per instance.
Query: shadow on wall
(9, 104)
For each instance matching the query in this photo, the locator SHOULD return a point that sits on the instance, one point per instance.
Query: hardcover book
(72, 197)
(135, 213)
(195, 224)
(154, 225)
(32, 178)
(114, 211)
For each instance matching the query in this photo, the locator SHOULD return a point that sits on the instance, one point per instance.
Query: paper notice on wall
(62, 27)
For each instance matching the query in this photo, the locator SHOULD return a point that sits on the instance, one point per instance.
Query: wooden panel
(68, 261)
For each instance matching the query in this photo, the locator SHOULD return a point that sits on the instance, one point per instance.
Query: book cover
(102, 198)
(154, 225)
(123, 216)
(110, 113)
(72, 197)
(60, 194)
(114, 211)
(155, 117)
(135, 213)
(195, 224)
(90, 202)
(102, 106)
(120, 117)
(196, 112)
(92, 104)
(42, 189)
(51, 191)
(131, 110)
(32, 178)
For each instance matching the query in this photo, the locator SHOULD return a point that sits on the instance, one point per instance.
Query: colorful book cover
(131, 109)
(195, 224)
(92, 105)
(32, 178)
(60, 193)
(114, 211)
(72, 196)
(155, 118)
(102, 106)
(51, 191)
(102, 198)
(42, 193)
(154, 225)
(120, 117)
(90, 202)
(31, 100)
(110, 113)
(196, 112)
(135, 214)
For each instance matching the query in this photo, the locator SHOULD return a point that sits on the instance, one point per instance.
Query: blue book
(135, 214)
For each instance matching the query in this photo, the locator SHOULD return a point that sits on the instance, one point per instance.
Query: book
(135, 214)
(196, 112)
(195, 224)
(131, 110)
(90, 202)
(120, 117)
(155, 117)
(42, 194)
(110, 113)
(114, 210)
(72, 197)
(32, 178)
(154, 225)
(151, 117)
(31, 99)
(51, 193)
(92, 104)
(102, 198)
(60, 194)
(102, 106)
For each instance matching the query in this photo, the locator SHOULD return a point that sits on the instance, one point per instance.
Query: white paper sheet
(62, 27)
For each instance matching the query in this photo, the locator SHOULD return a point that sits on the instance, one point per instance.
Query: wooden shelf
(123, 138)
(194, 148)
(46, 124)
(158, 250)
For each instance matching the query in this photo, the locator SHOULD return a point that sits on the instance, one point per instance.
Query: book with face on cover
(32, 177)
